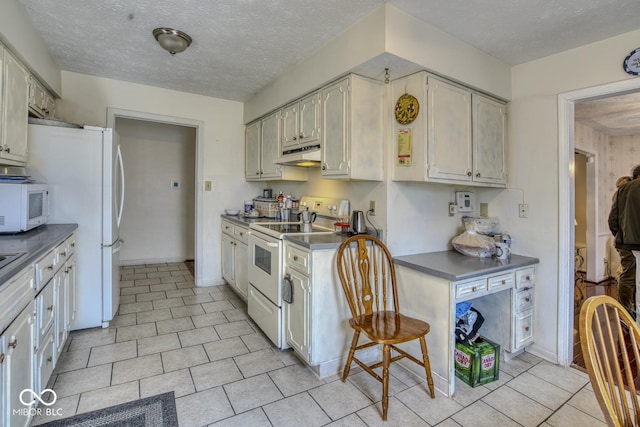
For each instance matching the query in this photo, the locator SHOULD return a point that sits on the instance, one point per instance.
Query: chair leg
(386, 356)
(354, 344)
(427, 366)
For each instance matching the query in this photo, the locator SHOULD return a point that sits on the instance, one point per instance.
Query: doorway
(566, 211)
(116, 117)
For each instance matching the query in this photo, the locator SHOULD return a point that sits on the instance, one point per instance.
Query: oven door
(265, 265)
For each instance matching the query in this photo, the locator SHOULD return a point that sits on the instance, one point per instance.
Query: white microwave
(23, 206)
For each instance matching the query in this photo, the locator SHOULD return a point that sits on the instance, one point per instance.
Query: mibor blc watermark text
(29, 399)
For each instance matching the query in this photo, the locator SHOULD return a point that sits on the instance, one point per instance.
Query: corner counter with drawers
(37, 308)
(430, 285)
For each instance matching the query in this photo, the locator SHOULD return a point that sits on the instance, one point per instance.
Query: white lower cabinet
(317, 319)
(37, 308)
(17, 366)
(235, 257)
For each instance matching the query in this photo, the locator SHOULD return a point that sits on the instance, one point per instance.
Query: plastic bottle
(280, 199)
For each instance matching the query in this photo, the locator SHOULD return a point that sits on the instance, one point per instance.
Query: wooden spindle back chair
(368, 278)
(610, 341)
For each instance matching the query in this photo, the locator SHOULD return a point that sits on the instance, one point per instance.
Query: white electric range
(266, 261)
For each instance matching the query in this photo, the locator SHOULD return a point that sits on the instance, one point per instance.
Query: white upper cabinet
(15, 105)
(489, 143)
(262, 150)
(458, 136)
(352, 129)
(301, 123)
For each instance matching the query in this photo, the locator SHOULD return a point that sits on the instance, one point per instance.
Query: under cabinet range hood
(303, 156)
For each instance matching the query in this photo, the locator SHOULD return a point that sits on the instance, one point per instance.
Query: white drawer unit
(524, 300)
(523, 329)
(472, 289)
(525, 277)
(241, 234)
(298, 259)
(45, 311)
(45, 269)
(498, 283)
(227, 227)
(15, 295)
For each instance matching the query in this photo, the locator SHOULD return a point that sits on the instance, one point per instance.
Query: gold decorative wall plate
(407, 109)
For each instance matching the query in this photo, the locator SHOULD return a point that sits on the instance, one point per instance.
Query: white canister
(503, 251)
(248, 206)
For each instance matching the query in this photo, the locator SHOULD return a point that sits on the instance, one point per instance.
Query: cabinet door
(335, 116)
(449, 131)
(70, 291)
(297, 314)
(489, 130)
(228, 255)
(270, 147)
(309, 119)
(241, 268)
(19, 363)
(60, 298)
(289, 117)
(252, 151)
(16, 110)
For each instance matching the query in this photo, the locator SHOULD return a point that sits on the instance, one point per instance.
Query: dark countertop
(454, 266)
(34, 242)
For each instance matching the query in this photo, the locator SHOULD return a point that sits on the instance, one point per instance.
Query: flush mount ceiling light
(174, 41)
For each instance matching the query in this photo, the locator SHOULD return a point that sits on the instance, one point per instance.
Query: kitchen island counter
(454, 266)
(34, 242)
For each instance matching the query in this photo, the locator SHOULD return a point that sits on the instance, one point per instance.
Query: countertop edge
(516, 261)
(59, 233)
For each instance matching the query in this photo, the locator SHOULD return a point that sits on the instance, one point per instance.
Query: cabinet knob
(469, 173)
(474, 289)
(13, 344)
(8, 149)
(324, 168)
(526, 328)
(301, 136)
(49, 359)
(50, 267)
(73, 245)
(295, 138)
(527, 278)
(1, 358)
(50, 308)
(527, 299)
(241, 234)
(295, 257)
(257, 172)
(504, 282)
(477, 174)
(63, 253)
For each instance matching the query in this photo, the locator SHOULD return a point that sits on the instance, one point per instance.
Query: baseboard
(543, 354)
(151, 261)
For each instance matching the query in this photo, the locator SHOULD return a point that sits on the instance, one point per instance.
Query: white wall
(86, 98)
(158, 224)
(533, 159)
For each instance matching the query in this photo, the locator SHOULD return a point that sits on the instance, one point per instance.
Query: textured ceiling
(241, 45)
(614, 115)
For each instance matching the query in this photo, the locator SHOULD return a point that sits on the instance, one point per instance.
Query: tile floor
(199, 342)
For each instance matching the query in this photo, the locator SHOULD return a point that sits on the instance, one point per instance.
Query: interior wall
(580, 198)
(534, 166)
(223, 132)
(158, 222)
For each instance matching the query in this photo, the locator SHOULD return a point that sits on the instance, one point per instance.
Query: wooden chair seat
(389, 327)
(368, 278)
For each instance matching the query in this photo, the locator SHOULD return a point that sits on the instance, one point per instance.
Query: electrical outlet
(372, 207)
(523, 210)
(452, 208)
(207, 186)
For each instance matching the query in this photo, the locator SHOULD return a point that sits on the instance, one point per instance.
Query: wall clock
(631, 63)
(407, 109)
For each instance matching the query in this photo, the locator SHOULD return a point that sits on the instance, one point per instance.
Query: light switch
(207, 186)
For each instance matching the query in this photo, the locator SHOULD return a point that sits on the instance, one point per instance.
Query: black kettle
(358, 225)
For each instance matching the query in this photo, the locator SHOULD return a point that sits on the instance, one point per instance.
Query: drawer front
(45, 311)
(498, 283)
(525, 277)
(45, 269)
(61, 253)
(267, 316)
(15, 295)
(471, 289)
(298, 259)
(227, 227)
(524, 300)
(524, 329)
(70, 245)
(45, 361)
(241, 234)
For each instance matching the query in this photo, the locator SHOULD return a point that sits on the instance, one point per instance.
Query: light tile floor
(199, 343)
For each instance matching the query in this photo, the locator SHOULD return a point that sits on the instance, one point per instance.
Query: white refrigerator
(84, 171)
